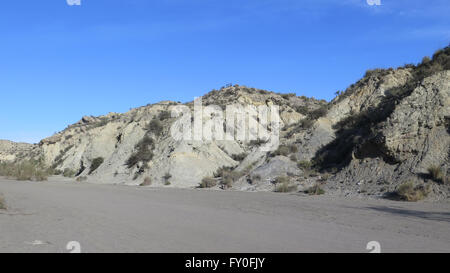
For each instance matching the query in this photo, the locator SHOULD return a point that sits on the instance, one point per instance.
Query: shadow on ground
(434, 216)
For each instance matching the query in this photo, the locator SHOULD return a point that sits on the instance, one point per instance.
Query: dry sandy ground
(44, 217)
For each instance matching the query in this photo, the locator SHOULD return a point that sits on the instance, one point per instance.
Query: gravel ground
(45, 216)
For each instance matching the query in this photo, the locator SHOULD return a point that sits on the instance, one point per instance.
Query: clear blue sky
(60, 62)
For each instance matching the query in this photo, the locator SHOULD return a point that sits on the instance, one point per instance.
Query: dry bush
(436, 174)
(155, 126)
(408, 192)
(285, 187)
(81, 179)
(315, 190)
(164, 115)
(144, 152)
(285, 150)
(33, 170)
(96, 163)
(304, 165)
(68, 172)
(166, 178)
(281, 180)
(2, 203)
(239, 157)
(208, 182)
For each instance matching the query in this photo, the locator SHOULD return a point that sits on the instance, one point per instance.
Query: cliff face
(387, 128)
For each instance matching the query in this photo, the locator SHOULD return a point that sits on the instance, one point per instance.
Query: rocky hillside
(390, 128)
(11, 151)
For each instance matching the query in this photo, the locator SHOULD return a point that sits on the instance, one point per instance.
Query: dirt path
(44, 217)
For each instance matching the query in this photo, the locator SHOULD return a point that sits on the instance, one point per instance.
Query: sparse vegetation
(228, 175)
(68, 172)
(256, 177)
(164, 115)
(304, 165)
(95, 164)
(155, 126)
(281, 179)
(208, 182)
(144, 152)
(33, 170)
(318, 113)
(302, 109)
(311, 116)
(324, 177)
(2, 203)
(436, 174)
(283, 184)
(408, 192)
(166, 178)
(285, 150)
(258, 142)
(59, 158)
(315, 190)
(81, 178)
(288, 95)
(239, 157)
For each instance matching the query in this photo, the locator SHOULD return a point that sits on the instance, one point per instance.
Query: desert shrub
(233, 175)
(155, 126)
(208, 182)
(293, 157)
(95, 164)
(144, 152)
(288, 95)
(282, 150)
(324, 177)
(256, 177)
(306, 123)
(166, 178)
(147, 182)
(285, 150)
(68, 172)
(164, 115)
(222, 171)
(374, 72)
(281, 179)
(315, 190)
(408, 192)
(318, 113)
(285, 187)
(302, 109)
(239, 157)
(26, 170)
(226, 183)
(228, 176)
(81, 178)
(436, 174)
(2, 203)
(426, 59)
(304, 164)
(258, 142)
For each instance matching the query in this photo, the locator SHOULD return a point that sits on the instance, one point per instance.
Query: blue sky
(60, 62)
